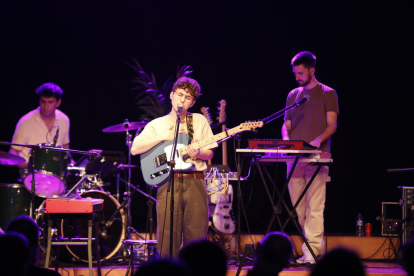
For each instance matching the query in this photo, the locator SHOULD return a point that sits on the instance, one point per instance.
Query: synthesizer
(280, 144)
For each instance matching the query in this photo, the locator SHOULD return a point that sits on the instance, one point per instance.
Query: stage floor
(376, 253)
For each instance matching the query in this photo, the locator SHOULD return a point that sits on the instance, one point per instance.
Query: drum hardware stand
(124, 205)
(128, 139)
(129, 185)
(80, 182)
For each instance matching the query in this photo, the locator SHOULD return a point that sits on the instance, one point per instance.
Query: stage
(377, 254)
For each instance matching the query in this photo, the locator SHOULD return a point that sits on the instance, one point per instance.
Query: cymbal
(10, 159)
(121, 127)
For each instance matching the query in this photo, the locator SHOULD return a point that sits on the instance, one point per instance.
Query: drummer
(41, 125)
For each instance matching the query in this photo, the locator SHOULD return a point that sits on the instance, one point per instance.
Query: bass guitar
(155, 162)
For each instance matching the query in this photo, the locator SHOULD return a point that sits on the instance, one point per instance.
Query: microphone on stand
(109, 223)
(180, 108)
(307, 97)
(55, 138)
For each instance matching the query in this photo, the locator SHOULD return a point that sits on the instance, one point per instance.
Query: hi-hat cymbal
(123, 127)
(10, 159)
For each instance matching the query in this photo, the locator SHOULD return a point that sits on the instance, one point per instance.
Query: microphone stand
(278, 114)
(170, 185)
(129, 195)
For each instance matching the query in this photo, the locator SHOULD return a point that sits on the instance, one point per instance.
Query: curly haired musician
(314, 122)
(190, 194)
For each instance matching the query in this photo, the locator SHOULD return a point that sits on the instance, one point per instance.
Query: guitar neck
(224, 148)
(201, 144)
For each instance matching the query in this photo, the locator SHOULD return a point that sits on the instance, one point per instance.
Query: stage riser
(364, 246)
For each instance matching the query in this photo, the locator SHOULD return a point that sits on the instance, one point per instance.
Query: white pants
(311, 207)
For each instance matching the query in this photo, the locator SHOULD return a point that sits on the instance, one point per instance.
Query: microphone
(303, 100)
(180, 108)
(55, 138)
(109, 223)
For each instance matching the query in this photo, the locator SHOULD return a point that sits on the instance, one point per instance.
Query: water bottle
(359, 226)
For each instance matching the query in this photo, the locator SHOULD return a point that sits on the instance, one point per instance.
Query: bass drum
(110, 239)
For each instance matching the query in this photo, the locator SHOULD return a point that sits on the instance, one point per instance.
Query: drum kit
(46, 176)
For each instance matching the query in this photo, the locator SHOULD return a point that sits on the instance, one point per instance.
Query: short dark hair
(49, 90)
(189, 84)
(306, 58)
(27, 226)
(203, 258)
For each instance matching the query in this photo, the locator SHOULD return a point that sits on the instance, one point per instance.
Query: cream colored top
(201, 129)
(32, 130)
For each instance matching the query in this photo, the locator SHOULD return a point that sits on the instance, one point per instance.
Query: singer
(190, 194)
(315, 122)
(41, 125)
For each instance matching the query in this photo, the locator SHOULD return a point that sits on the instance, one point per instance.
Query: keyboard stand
(276, 209)
(75, 241)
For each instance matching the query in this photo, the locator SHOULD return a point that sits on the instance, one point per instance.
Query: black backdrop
(240, 51)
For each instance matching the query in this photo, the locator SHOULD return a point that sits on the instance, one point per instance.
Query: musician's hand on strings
(192, 150)
(315, 143)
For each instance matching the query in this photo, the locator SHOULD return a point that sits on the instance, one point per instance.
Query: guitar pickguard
(154, 163)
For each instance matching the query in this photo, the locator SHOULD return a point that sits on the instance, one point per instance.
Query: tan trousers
(310, 209)
(190, 214)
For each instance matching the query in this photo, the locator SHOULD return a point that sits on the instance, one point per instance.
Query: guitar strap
(190, 127)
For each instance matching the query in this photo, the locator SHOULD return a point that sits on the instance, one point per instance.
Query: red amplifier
(280, 144)
(65, 205)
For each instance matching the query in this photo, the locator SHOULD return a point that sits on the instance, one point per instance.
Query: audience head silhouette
(27, 226)
(273, 253)
(14, 254)
(339, 262)
(204, 258)
(407, 257)
(161, 268)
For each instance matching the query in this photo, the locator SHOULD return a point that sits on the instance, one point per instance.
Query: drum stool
(148, 243)
(57, 213)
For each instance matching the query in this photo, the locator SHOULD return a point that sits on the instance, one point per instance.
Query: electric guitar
(207, 115)
(223, 216)
(155, 162)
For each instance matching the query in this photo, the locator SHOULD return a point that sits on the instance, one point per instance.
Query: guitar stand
(292, 213)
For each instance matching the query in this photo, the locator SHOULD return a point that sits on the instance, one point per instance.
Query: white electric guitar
(223, 217)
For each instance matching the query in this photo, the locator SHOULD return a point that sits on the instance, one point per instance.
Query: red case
(63, 205)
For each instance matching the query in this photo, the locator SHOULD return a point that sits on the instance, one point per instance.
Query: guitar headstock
(222, 111)
(206, 114)
(250, 126)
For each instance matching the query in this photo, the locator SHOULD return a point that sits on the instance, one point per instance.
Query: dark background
(240, 51)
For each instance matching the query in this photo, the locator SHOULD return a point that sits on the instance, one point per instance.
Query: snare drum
(49, 169)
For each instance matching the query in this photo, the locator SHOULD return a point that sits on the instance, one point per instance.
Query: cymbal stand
(33, 188)
(129, 145)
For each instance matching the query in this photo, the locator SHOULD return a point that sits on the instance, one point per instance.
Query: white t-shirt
(32, 130)
(201, 129)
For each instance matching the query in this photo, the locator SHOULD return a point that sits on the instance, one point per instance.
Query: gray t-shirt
(309, 119)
